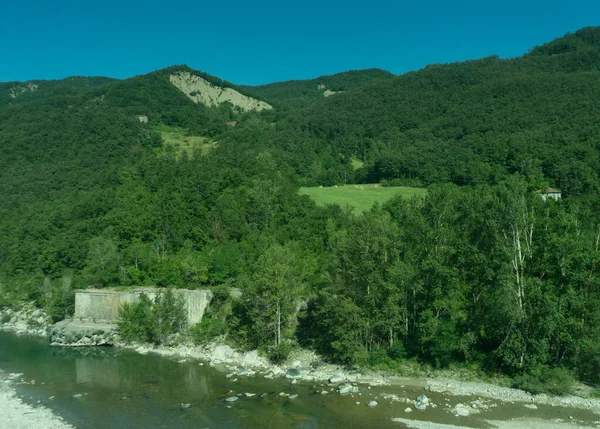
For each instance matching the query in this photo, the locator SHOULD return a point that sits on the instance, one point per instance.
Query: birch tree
(273, 294)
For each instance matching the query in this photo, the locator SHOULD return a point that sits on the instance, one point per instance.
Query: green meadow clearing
(362, 197)
(180, 140)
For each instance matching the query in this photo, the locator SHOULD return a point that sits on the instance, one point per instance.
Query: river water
(114, 388)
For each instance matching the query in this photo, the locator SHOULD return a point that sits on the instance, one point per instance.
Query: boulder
(336, 379)
(461, 410)
(251, 358)
(345, 389)
(421, 402)
(292, 373)
(222, 353)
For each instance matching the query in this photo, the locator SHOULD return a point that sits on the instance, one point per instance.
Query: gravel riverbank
(14, 414)
(303, 365)
(306, 366)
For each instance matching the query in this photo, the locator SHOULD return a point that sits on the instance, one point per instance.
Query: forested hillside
(467, 123)
(480, 272)
(298, 93)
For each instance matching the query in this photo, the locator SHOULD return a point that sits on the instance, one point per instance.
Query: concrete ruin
(102, 306)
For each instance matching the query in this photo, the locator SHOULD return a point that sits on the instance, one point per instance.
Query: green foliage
(378, 356)
(169, 315)
(61, 303)
(273, 292)
(279, 354)
(554, 381)
(481, 272)
(208, 330)
(153, 322)
(136, 322)
(216, 320)
(397, 351)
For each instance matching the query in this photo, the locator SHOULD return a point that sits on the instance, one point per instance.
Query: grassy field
(362, 197)
(179, 139)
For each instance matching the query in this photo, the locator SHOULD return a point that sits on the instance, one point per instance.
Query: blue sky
(254, 42)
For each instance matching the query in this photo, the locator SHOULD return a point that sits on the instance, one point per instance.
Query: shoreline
(239, 364)
(306, 366)
(15, 414)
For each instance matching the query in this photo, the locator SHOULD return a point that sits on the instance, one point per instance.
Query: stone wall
(102, 306)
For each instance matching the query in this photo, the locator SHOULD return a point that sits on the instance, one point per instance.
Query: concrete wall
(103, 305)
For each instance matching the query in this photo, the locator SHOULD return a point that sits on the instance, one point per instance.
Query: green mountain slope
(296, 93)
(35, 90)
(470, 122)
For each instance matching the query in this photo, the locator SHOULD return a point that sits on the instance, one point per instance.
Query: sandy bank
(524, 423)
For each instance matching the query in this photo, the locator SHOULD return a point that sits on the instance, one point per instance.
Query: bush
(217, 318)
(397, 351)
(168, 315)
(60, 304)
(588, 365)
(208, 329)
(378, 356)
(279, 354)
(554, 381)
(152, 322)
(135, 320)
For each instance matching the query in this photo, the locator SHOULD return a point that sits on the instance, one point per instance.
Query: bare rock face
(202, 91)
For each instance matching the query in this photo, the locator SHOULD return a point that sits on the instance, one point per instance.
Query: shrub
(378, 356)
(168, 315)
(217, 319)
(60, 304)
(588, 366)
(208, 329)
(135, 320)
(397, 351)
(554, 381)
(279, 354)
(152, 322)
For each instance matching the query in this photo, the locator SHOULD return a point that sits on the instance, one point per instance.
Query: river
(116, 388)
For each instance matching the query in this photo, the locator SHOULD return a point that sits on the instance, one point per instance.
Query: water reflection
(121, 389)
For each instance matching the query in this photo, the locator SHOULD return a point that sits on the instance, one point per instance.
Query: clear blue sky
(254, 42)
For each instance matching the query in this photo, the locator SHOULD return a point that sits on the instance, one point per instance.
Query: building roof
(548, 191)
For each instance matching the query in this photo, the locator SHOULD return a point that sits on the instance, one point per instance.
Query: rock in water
(232, 399)
(408, 410)
(344, 389)
(421, 402)
(292, 373)
(461, 410)
(347, 388)
(293, 396)
(186, 406)
(372, 404)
